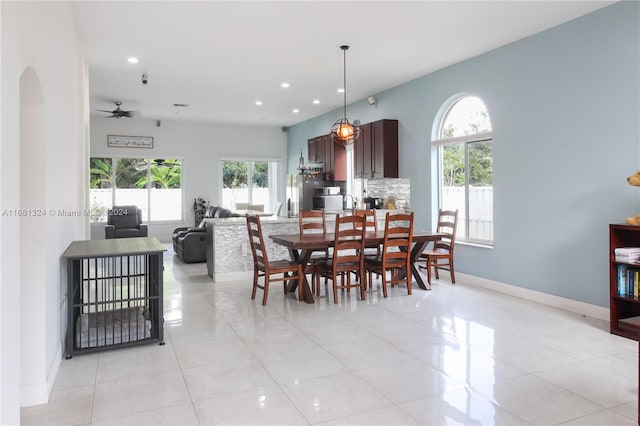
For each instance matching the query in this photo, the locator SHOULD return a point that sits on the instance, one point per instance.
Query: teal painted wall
(565, 109)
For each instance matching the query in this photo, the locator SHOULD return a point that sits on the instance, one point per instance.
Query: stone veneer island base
(228, 253)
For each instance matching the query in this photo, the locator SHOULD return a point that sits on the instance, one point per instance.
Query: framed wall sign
(119, 141)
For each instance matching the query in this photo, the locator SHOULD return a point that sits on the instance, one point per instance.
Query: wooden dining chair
(263, 267)
(310, 222)
(441, 254)
(370, 220)
(370, 225)
(347, 257)
(395, 256)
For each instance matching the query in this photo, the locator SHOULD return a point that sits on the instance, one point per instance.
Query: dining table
(300, 248)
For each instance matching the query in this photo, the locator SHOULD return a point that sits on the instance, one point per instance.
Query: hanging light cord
(344, 76)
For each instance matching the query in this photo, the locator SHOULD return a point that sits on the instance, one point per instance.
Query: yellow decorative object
(634, 180)
(390, 204)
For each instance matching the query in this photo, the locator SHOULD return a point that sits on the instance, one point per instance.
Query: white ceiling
(220, 57)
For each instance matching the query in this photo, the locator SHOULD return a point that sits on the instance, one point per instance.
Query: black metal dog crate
(114, 293)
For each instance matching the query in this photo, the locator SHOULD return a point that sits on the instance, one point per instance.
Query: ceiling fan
(118, 113)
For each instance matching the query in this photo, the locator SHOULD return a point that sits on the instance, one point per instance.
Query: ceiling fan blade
(119, 113)
(129, 113)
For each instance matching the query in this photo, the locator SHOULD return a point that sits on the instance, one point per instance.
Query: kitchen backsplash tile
(399, 188)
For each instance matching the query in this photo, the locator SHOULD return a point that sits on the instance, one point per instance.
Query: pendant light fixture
(342, 131)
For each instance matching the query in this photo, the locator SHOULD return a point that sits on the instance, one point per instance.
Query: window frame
(274, 178)
(114, 161)
(466, 140)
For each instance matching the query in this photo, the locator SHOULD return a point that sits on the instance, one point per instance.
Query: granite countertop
(234, 221)
(331, 215)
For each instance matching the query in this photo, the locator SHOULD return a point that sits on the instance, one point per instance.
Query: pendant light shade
(343, 132)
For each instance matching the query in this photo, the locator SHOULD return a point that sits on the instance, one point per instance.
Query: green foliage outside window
(235, 174)
(100, 173)
(467, 117)
(165, 174)
(480, 164)
(261, 174)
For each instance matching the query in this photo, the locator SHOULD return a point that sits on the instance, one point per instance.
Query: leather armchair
(190, 243)
(125, 222)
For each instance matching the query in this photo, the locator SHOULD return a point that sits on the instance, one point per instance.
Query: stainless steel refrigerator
(300, 191)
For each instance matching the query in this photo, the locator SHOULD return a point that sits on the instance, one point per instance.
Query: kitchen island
(229, 255)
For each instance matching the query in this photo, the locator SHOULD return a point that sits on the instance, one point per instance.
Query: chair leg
(384, 283)
(435, 268)
(453, 275)
(335, 289)
(255, 284)
(266, 290)
(284, 284)
(429, 270)
(301, 278)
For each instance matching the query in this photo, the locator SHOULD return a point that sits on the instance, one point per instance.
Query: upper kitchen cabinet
(375, 151)
(322, 149)
(315, 148)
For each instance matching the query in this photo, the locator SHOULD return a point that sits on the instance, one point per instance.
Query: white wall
(41, 51)
(201, 147)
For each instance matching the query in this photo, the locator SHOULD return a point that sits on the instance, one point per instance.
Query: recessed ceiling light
(316, 101)
(341, 90)
(258, 103)
(296, 110)
(285, 85)
(132, 60)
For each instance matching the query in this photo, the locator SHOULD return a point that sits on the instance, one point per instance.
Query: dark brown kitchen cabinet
(327, 154)
(322, 149)
(339, 161)
(315, 149)
(375, 151)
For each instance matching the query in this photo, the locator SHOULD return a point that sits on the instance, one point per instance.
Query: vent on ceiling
(181, 105)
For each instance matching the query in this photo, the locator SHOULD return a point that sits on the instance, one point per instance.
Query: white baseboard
(40, 393)
(570, 305)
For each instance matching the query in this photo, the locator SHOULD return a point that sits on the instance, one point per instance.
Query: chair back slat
(312, 221)
(370, 219)
(256, 242)
(447, 224)
(348, 243)
(398, 237)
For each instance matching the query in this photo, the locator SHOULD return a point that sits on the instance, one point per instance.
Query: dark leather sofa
(190, 243)
(125, 222)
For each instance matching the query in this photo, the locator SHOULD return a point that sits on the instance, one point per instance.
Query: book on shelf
(622, 280)
(628, 281)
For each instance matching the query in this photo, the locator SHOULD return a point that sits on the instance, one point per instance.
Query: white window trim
(474, 137)
(142, 157)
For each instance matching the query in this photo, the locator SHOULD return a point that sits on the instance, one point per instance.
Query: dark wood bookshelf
(624, 310)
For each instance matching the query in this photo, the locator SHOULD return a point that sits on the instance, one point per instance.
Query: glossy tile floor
(453, 355)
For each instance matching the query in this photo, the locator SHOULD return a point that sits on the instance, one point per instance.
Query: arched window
(465, 166)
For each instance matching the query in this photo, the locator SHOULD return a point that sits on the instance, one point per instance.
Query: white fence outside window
(166, 204)
(231, 196)
(480, 210)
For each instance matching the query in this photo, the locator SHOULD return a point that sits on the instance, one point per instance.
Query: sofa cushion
(127, 232)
